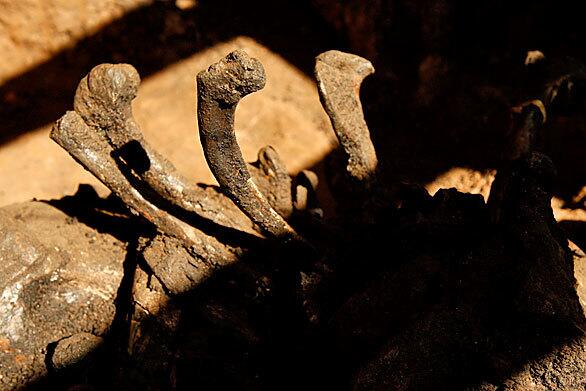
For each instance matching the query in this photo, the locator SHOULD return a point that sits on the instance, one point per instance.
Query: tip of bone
(118, 77)
(110, 83)
(270, 161)
(345, 63)
(240, 56)
(268, 153)
(232, 78)
(108, 88)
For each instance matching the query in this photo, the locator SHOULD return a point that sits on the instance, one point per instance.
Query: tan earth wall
(31, 31)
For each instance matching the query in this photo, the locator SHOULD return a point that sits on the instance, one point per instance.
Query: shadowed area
(431, 303)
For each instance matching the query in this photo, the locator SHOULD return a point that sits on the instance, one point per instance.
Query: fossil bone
(339, 76)
(91, 148)
(219, 89)
(103, 99)
(272, 178)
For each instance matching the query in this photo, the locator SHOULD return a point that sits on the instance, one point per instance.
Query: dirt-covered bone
(271, 176)
(92, 151)
(219, 90)
(339, 76)
(103, 136)
(103, 99)
(181, 269)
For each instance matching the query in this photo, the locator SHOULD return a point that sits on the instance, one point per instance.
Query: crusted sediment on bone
(339, 76)
(219, 89)
(103, 99)
(90, 149)
(180, 270)
(272, 178)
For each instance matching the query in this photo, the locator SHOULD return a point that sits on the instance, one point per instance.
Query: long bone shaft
(103, 99)
(339, 76)
(220, 88)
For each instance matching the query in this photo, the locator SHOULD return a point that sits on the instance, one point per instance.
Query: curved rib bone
(92, 150)
(220, 88)
(339, 76)
(103, 99)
